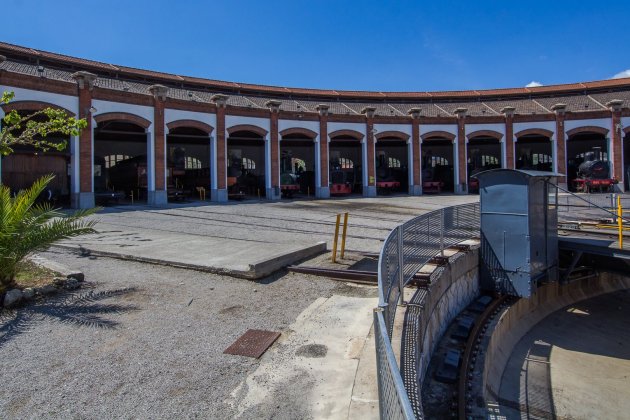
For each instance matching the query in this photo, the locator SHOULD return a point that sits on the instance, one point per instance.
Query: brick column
(159, 195)
(617, 139)
(560, 110)
(85, 198)
(416, 188)
(274, 109)
(508, 111)
(369, 190)
(221, 192)
(462, 166)
(323, 191)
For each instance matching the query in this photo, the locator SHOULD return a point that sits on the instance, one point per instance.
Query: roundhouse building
(149, 132)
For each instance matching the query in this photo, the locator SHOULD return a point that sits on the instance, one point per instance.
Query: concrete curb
(255, 271)
(63, 270)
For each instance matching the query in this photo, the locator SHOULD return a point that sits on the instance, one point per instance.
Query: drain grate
(253, 343)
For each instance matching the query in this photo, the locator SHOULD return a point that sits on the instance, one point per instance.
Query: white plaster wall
(498, 127)
(600, 122)
(403, 128)
(427, 128)
(309, 125)
(71, 103)
(103, 107)
(625, 121)
(171, 115)
(334, 126)
(545, 125)
(232, 120)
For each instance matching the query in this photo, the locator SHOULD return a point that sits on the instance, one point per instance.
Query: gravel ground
(142, 341)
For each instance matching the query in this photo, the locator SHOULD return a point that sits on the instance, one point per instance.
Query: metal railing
(407, 248)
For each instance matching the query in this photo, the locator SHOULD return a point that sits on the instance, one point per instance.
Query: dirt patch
(312, 350)
(32, 275)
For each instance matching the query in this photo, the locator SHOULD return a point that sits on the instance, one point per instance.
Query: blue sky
(355, 45)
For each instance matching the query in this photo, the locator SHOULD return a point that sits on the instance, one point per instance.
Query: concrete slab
(317, 367)
(249, 239)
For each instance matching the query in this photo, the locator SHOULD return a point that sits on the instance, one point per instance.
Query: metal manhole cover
(253, 343)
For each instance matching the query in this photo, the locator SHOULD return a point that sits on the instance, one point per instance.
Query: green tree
(25, 225)
(33, 129)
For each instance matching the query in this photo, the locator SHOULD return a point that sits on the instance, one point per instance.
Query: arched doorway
(483, 153)
(27, 164)
(534, 152)
(585, 145)
(438, 163)
(345, 152)
(121, 172)
(297, 163)
(246, 160)
(188, 162)
(392, 163)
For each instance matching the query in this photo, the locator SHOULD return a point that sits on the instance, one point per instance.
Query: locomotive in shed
(593, 174)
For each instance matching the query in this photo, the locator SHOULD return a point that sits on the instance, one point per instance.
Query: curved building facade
(151, 134)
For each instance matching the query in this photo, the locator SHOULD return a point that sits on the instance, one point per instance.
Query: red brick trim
(350, 133)
(392, 134)
(206, 128)
(440, 134)
(32, 106)
(485, 133)
(248, 127)
(536, 131)
(588, 129)
(123, 116)
(299, 130)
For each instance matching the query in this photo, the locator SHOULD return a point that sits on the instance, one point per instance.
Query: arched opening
(392, 165)
(246, 164)
(346, 165)
(533, 152)
(483, 153)
(120, 162)
(297, 164)
(586, 146)
(438, 165)
(188, 162)
(27, 164)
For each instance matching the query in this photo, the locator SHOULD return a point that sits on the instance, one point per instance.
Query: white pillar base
(322, 192)
(273, 193)
(369, 191)
(157, 198)
(415, 190)
(219, 196)
(84, 200)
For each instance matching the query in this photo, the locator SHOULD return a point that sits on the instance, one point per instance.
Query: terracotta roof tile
(603, 98)
(523, 106)
(427, 110)
(575, 103)
(383, 110)
(475, 109)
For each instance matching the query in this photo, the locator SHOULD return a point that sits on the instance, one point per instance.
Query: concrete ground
(146, 341)
(573, 365)
(231, 238)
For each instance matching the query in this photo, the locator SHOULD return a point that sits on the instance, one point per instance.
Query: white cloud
(533, 83)
(621, 75)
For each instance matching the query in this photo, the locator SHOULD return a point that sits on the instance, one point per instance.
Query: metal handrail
(406, 249)
(591, 204)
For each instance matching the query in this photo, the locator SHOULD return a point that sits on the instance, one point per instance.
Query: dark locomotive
(593, 175)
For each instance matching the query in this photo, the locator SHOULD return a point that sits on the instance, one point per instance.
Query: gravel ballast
(141, 341)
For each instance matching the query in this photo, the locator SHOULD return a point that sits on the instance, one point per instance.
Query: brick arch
(438, 133)
(247, 127)
(206, 128)
(350, 133)
(535, 131)
(588, 129)
(392, 134)
(299, 130)
(123, 116)
(33, 106)
(485, 133)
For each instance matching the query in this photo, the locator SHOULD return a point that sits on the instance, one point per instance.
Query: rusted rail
(354, 276)
(470, 347)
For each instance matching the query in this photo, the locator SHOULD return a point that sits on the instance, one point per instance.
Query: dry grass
(32, 275)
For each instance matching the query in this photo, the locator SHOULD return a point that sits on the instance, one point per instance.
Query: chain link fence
(407, 248)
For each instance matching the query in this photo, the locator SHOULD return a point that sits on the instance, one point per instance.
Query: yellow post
(343, 234)
(203, 189)
(334, 254)
(620, 221)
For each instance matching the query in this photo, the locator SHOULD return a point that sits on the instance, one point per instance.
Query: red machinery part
(388, 184)
(340, 189)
